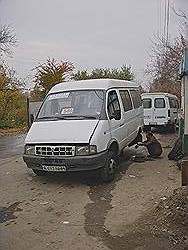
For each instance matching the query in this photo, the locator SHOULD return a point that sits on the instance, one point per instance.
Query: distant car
(160, 110)
(84, 125)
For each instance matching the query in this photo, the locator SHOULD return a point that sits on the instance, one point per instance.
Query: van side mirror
(117, 115)
(32, 118)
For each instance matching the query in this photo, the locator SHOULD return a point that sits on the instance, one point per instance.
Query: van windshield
(77, 104)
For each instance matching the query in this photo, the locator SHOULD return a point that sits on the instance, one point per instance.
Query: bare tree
(183, 17)
(7, 39)
(164, 65)
(166, 57)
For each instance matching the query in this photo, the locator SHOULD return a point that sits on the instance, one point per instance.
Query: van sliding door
(129, 116)
(116, 125)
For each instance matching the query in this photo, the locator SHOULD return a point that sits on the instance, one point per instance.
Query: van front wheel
(109, 170)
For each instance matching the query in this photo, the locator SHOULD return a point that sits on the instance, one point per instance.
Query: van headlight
(29, 149)
(86, 150)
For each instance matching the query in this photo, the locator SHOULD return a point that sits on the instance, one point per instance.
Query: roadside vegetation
(12, 98)
(52, 72)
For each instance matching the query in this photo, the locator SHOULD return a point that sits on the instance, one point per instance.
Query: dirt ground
(76, 211)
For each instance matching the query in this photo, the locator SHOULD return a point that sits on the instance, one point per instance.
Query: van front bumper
(76, 163)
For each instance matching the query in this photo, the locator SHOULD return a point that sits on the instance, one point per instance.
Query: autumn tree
(123, 73)
(48, 74)
(12, 100)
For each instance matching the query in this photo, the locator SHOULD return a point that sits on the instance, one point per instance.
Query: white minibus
(160, 110)
(84, 125)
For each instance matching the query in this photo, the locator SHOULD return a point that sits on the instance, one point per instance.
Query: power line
(166, 21)
(160, 17)
(164, 34)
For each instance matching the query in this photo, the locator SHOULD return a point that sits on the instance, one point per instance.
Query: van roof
(159, 93)
(92, 84)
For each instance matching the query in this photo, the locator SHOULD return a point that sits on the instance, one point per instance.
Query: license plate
(54, 168)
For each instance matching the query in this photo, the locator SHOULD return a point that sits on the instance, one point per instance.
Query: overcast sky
(97, 33)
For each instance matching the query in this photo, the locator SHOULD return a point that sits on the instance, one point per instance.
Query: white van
(84, 125)
(160, 109)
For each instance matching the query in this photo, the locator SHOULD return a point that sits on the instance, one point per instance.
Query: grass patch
(12, 131)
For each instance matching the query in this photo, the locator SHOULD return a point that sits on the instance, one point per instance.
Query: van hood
(63, 131)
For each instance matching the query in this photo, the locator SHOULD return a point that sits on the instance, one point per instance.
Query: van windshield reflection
(72, 105)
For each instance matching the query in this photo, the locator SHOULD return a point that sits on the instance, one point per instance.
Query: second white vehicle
(160, 110)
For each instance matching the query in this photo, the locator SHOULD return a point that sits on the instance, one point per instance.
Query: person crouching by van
(153, 145)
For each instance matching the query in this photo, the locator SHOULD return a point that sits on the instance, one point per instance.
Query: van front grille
(55, 150)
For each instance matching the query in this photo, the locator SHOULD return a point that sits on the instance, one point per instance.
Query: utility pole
(184, 74)
(166, 21)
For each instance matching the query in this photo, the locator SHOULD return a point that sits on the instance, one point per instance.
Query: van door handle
(121, 124)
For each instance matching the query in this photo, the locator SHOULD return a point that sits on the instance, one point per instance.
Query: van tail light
(169, 113)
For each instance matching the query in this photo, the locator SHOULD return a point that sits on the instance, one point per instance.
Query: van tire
(109, 170)
(139, 137)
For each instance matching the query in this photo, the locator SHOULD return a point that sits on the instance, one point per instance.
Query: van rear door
(173, 111)
(148, 110)
(160, 110)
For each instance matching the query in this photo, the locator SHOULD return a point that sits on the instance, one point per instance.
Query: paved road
(11, 145)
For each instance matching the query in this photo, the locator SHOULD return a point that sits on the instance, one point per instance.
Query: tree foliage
(7, 40)
(12, 100)
(123, 73)
(164, 66)
(48, 74)
(8, 78)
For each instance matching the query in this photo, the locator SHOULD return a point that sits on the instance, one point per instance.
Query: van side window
(126, 100)
(146, 103)
(136, 98)
(159, 103)
(177, 104)
(113, 103)
(173, 103)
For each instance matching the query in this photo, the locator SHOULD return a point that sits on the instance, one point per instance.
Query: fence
(32, 109)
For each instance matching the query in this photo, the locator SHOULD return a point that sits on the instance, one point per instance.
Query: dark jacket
(153, 146)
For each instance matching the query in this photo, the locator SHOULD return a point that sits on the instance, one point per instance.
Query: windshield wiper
(50, 118)
(54, 118)
(80, 117)
(88, 117)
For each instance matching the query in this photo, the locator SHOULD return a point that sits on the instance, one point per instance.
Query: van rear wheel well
(140, 130)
